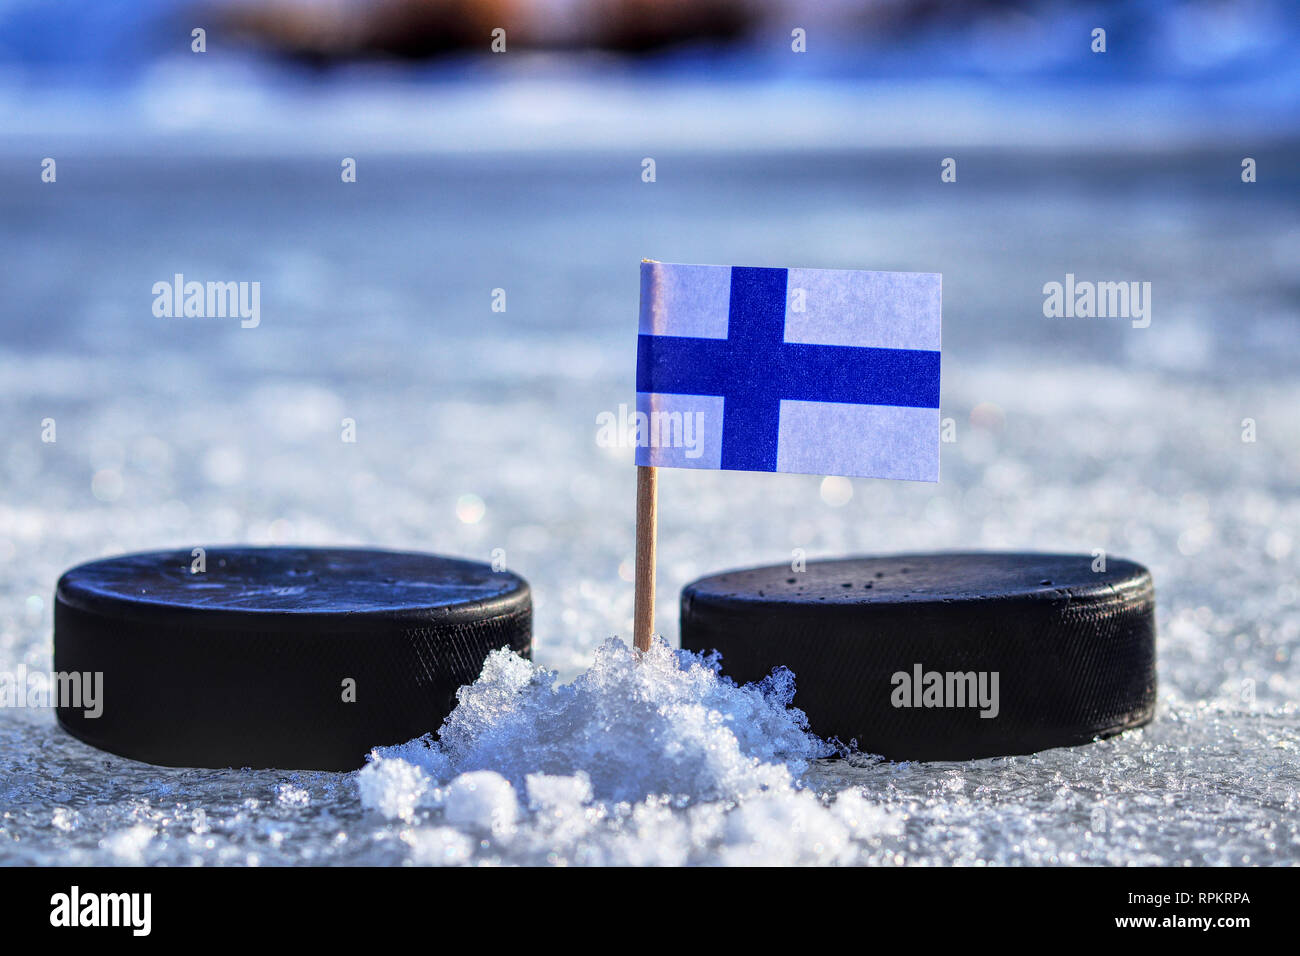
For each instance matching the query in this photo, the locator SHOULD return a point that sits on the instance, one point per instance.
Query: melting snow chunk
(604, 766)
(667, 723)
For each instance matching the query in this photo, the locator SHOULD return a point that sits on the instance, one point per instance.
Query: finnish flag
(813, 371)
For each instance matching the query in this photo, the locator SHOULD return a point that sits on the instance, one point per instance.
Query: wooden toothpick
(643, 624)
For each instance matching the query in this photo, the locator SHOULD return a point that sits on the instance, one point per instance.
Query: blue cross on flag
(813, 371)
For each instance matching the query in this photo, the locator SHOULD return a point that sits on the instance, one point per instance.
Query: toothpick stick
(646, 504)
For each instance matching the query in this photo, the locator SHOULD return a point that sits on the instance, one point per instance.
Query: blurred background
(419, 75)
(211, 140)
(1177, 445)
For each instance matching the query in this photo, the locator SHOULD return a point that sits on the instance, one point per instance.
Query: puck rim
(145, 610)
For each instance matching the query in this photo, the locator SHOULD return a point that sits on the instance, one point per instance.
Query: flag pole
(646, 506)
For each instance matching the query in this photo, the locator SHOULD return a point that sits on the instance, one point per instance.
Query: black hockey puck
(942, 656)
(299, 658)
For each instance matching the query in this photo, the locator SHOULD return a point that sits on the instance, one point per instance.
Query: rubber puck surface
(1073, 649)
(248, 662)
(326, 584)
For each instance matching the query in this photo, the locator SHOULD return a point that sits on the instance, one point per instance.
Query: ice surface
(476, 431)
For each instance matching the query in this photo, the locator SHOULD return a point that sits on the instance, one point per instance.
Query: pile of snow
(643, 759)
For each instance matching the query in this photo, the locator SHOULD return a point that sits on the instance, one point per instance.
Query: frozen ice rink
(476, 430)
